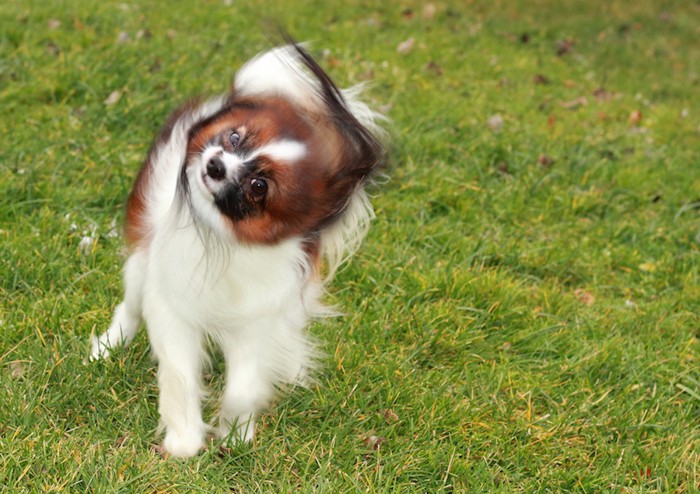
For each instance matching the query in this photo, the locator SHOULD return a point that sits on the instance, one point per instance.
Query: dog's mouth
(217, 178)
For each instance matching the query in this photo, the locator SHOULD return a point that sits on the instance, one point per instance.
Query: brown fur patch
(135, 228)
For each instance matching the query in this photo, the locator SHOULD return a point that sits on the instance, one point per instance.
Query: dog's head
(284, 155)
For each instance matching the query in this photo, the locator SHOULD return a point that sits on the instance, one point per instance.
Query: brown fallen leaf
(390, 415)
(374, 442)
(17, 369)
(635, 118)
(564, 46)
(123, 37)
(545, 161)
(586, 298)
(406, 46)
(52, 49)
(113, 98)
(224, 451)
(429, 11)
(159, 450)
(540, 79)
(502, 168)
(574, 103)
(495, 122)
(53, 24)
(601, 94)
(433, 67)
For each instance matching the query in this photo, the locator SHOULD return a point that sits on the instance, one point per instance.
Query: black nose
(216, 168)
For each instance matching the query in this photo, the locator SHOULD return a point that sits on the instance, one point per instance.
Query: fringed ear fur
(291, 72)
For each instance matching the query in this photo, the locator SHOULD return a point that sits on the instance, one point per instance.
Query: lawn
(523, 316)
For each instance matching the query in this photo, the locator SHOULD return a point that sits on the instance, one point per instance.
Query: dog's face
(266, 168)
(273, 169)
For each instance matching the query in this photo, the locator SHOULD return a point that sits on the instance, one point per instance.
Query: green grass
(523, 316)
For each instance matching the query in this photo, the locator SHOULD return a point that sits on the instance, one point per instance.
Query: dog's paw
(183, 445)
(242, 432)
(99, 349)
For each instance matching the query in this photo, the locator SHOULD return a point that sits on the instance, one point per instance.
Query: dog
(246, 205)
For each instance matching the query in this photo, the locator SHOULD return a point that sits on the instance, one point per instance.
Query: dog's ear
(361, 153)
(352, 140)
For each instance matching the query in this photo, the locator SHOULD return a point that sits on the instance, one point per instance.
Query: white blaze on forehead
(210, 152)
(282, 151)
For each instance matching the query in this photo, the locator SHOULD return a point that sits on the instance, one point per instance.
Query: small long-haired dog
(241, 201)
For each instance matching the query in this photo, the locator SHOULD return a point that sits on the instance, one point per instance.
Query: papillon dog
(244, 208)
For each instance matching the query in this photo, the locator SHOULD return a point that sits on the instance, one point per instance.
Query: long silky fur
(166, 217)
(344, 232)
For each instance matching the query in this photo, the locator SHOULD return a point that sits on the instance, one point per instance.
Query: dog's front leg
(179, 350)
(127, 315)
(247, 390)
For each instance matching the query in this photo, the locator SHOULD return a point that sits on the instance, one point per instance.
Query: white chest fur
(218, 286)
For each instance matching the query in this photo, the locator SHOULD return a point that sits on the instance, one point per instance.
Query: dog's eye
(258, 186)
(234, 138)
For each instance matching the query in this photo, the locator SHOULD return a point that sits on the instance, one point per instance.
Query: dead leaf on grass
(564, 46)
(601, 94)
(159, 450)
(635, 118)
(540, 79)
(586, 298)
(17, 369)
(374, 442)
(120, 441)
(545, 161)
(406, 46)
(502, 168)
(113, 98)
(224, 451)
(123, 38)
(390, 415)
(575, 103)
(495, 122)
(52, 49)
(433, 68)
